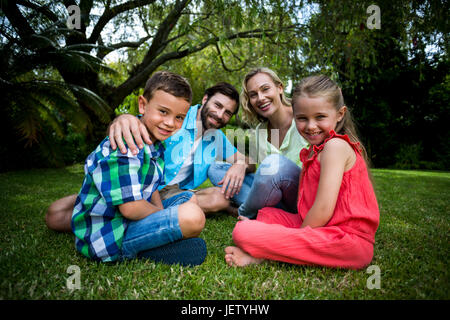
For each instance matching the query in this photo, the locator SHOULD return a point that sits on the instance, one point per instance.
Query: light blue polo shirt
(214, 146)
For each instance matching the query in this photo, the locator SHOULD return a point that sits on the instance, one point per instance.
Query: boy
(118, 213)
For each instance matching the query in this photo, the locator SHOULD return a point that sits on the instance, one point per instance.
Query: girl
(337, 210)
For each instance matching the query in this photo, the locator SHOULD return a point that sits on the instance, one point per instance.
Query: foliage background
(61, 87)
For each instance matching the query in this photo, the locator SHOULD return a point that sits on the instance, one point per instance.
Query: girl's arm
(335, 158)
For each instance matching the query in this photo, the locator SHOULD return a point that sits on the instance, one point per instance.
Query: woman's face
(264, 94)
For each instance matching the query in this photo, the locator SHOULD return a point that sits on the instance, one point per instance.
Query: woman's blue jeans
(274, 184)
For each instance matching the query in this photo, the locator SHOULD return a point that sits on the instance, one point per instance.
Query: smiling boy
(118, 213)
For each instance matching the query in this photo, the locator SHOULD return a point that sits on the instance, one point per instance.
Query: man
(188, 155)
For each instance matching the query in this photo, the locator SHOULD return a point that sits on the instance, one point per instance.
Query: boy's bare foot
(242, 218)
(238, 257)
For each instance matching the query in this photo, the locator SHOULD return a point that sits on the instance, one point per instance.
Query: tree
(169, 31)
(387, 74)
(34, 96)
(59, 79)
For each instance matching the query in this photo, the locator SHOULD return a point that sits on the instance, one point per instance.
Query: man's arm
(239, 158)
(128, 127)
(233, 179)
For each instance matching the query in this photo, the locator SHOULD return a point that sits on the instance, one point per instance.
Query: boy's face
(163, 114)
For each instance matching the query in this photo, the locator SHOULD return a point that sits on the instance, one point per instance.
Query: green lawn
(412, 251)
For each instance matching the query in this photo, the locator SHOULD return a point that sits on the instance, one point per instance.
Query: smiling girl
(337, 209)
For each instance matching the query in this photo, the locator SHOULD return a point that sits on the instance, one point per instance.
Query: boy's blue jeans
(274, 184)
(155, 230)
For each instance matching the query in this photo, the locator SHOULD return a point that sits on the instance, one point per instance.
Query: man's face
(217, 111)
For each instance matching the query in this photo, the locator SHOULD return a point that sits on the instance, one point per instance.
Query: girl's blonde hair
(323, 86)
(249, 115)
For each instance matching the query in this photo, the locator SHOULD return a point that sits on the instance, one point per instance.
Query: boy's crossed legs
(59, 214)
(169, 235)
(191, 217)
(182, 219)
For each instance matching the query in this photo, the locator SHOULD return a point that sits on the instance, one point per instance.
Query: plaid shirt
(112, 178)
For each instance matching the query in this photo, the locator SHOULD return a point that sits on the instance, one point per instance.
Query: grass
(412, 251)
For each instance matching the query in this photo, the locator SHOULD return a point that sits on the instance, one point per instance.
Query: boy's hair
(169, 82)
(226, 89)
(323, 86)
(248, 113)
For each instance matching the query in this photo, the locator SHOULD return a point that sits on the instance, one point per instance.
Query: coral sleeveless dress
(347, 239)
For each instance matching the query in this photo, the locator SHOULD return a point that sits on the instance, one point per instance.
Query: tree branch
(151, 60)
(85, 9)
(219, 52)
(205, 16)
(126, 44)
(17, 20)
(130, 44)
(138, 78)
(223, 62)
(41, 9)
(160, 40)
(110, 13)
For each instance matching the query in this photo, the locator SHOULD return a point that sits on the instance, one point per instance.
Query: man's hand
(127, 127)
(233, 179)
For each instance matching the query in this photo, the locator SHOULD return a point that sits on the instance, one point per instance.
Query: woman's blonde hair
(323, 86)
(249, 115)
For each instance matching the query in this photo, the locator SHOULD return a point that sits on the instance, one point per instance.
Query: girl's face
(264, 94)
(315, 117)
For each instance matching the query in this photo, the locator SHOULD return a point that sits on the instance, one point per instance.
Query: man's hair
(169, 82)
(226, 89)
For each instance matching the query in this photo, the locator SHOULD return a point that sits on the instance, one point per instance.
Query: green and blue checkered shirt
(112, 178)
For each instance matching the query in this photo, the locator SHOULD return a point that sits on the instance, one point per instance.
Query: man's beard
(204, 114)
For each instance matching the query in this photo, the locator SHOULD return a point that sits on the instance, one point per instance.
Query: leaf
(93, 102)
